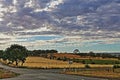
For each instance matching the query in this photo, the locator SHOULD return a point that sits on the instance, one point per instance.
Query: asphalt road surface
(40, 74)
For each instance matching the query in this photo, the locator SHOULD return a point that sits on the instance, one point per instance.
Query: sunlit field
(39, 62)
(87, 59)
(98, 73)
(68, 55)
(95, 70)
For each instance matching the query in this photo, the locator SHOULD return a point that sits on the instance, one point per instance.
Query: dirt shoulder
(6, 74)
(109, 74)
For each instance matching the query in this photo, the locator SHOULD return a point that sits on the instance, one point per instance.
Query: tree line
(42, 53)
(102, 55)
(92, 54)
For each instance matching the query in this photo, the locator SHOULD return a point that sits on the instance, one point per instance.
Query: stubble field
(40, 62)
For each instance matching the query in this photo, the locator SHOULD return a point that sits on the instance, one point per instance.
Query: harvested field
(71, 56)
(39, 62)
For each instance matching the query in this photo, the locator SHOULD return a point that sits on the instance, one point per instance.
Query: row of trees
(103, 55)
(92, 54)
(42, 53)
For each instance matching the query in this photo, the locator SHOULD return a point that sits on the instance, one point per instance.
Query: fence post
(75, 70)
(64, 70)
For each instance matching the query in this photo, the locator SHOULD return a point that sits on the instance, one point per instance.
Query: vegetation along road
(40, 74)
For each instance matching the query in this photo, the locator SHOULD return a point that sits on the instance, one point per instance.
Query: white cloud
(76, 21)
(14, 2)
(50, 6)
(53, 4)
(5, 36)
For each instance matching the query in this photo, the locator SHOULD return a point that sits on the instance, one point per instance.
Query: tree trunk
(16, 63)
(22, 63)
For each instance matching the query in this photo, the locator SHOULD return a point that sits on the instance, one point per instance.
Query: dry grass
(39, 62)
(71, 56)
(100, 66)
(6, 74)
(66, 55)
(102, 74)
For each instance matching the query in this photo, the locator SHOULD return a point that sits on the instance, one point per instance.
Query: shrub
(58, 58)
(65, 58)
(92, 62)
(116, 66)
(117, 62)
(83, 61)
(87, 66)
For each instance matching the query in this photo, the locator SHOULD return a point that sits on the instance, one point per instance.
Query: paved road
(40, 74)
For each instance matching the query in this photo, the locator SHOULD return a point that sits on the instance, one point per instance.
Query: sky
(64, 25)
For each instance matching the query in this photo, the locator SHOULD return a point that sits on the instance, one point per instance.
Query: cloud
(74, 20)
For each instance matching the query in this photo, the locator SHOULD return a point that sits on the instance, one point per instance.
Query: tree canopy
(76, 51)
(16, 53)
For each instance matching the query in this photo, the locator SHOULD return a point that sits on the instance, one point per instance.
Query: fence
(91, 69)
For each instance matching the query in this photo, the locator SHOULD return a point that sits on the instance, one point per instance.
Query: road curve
(40, 74)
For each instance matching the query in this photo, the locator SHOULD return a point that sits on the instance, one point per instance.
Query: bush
(65, 58)
(116, 66)
(87, 66)
(92, 62)
(83, 61)
(117, 62)
(58, 58)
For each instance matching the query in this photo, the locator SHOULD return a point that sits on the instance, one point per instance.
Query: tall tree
(76, 51)
(1, 53)
(16, 53)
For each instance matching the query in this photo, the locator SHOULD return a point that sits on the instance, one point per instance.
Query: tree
(92, 54)
(119, 57)
(76, 51)
(16, 53)
(87, 66)
(1, 53)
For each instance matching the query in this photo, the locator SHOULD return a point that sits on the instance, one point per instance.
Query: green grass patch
(92, 61)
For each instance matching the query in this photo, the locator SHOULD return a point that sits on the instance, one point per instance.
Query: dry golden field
(40, 62)
(98, 73)
(71, 56)
(66, 55)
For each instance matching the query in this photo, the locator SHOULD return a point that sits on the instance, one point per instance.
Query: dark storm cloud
(79, 7)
